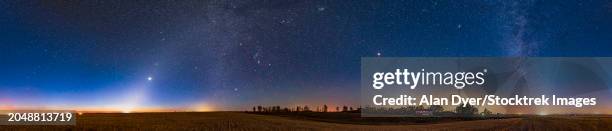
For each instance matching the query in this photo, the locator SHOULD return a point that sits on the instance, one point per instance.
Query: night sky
(232, 55)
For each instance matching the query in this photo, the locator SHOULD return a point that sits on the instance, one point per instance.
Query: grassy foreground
(246, 121)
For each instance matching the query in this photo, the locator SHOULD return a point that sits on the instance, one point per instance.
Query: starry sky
(234, 54)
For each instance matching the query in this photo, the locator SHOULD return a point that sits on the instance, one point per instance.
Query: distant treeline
(305, 108)
(435, 110)
(467, 111)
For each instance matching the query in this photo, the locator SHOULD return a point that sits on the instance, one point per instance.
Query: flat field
(247, 121)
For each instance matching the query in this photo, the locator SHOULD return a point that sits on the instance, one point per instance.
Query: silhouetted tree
(468, 110)
(421, 107)
(344, 108)
(324, 108)
(337, 109)
(486, 112)
(436, 108)
(254, 109)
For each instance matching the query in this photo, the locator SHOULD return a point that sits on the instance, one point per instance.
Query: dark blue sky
(235, 54)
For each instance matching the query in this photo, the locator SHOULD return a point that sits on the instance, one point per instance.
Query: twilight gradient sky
(231, 55)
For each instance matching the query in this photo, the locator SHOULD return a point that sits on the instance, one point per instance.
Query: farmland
(249, 121)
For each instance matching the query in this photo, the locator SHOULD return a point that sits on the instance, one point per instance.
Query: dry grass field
(245, 121)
